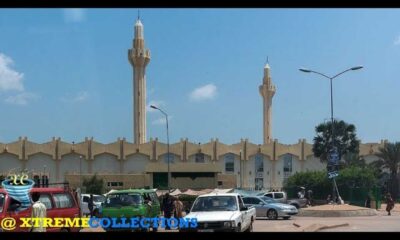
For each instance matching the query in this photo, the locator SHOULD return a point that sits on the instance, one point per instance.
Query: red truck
(60, 202)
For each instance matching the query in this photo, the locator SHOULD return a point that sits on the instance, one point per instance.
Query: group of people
(171, 206)
(309, 196)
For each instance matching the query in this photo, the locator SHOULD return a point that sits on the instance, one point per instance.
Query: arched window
(229, 162)
(287, 165)
(171, 158)
(259, 163)
(199, 158)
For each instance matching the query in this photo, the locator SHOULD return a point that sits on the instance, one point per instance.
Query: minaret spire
(139, 57)
(267, 91)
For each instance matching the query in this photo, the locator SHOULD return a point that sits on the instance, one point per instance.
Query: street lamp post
(44, 176)
(80, 172)
(166, 119)
(335, 189)
(240, 167)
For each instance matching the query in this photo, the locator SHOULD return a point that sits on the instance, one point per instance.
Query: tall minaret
(139, 57)
(267, 91)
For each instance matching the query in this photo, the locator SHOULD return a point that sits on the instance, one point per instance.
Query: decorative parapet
(294, 149)
(154, 149)
(110, 148)
(81, 148)
(15, 148)
(131, 148)
(48, 148)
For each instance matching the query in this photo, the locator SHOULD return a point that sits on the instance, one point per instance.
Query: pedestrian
(389, 203)
(167, 208)
(301, 194)
(310, 197)
(178, 209)
(368, 202)
(38, 211)
(329, 199)
(91, 205)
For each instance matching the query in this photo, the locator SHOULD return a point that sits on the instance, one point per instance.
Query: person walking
(167, 208)
(329, 199)
(38, 211)
(310, 197)
(91, 205)
(368, 202)
(178, 209)
(389, 203)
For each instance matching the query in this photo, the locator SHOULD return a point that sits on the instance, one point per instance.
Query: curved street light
(166, 118)
(332, 127)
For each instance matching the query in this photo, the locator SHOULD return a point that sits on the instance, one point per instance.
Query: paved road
(381, 223)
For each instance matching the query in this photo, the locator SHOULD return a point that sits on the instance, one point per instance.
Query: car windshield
(99, 198)
(215, 203)
(268, 200)
(123, 200)
(1, 202)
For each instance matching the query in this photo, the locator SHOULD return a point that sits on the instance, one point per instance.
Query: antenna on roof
(138, 14)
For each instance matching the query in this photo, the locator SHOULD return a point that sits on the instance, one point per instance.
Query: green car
(131, 203)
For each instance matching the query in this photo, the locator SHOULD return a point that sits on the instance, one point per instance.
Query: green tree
(389, 159)
(353, 159)
(94, 185)
(345, 139)
(317, 181)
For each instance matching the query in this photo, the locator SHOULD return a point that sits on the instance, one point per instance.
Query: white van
(97, 200)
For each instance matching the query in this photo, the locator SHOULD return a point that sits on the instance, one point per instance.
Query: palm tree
(389, 158)
(345, 139)
(353, 159)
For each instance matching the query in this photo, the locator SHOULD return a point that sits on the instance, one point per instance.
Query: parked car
(131, 203)
(281, 197)
(270, 208)
(221, 212)
(60, 203)
(97, 200)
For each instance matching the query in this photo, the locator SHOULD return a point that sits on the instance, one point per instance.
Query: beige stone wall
(196, 183)
(227, 180)
(122, 157)
(128, 180)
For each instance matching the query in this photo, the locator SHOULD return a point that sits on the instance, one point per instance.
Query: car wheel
(286, 218)
(250, 228)
(272, 214)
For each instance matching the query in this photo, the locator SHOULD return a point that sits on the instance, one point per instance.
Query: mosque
(141, 163)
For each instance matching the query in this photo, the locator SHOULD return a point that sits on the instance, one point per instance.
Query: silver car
(268, 207)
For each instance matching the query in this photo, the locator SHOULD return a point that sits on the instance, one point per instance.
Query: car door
(17, 215)
(244, 213)
(155, 204)
(260, 207)
(85, 204)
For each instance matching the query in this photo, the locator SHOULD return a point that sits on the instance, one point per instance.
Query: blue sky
(65, 72)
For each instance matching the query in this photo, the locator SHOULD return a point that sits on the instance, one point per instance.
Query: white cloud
(205, 92)
(21, 98)
(9, 78)
(79, 97)
(161, 121)
(156, 103)
(74, 15)
(397, 41)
